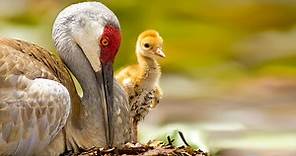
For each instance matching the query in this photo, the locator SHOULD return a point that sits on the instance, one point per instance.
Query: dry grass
(151, 148)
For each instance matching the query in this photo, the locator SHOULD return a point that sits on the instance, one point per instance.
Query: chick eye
(104, 42)
(147, 45)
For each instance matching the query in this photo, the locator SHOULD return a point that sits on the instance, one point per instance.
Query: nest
(151, 148)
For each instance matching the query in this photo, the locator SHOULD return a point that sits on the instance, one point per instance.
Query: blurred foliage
(199, 36)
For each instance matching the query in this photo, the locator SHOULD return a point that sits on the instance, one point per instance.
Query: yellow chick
(141, 81)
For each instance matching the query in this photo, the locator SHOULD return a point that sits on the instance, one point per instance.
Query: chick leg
(135, 131)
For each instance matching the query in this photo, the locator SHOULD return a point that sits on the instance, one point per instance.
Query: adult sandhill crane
(141, 81)
(40, 110)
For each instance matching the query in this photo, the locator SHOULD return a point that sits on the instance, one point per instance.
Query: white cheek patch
(88, 39)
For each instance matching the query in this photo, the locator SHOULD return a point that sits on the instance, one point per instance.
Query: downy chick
(141, 81)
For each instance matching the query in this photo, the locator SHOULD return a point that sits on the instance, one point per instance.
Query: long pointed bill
(107, 86)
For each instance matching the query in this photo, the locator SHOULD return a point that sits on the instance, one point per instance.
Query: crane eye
(104, 42)
(147, 45)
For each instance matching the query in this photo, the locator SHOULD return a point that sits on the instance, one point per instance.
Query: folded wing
(34, 105)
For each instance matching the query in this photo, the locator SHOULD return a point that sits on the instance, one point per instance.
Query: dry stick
(183, 138)
(170, 141)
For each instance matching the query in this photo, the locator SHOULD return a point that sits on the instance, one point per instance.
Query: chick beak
(160, 53)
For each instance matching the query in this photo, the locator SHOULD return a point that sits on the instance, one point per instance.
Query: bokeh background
(229, 78)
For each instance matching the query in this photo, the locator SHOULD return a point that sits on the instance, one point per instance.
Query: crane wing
(121, 115)
(34, 105)
(32, 112)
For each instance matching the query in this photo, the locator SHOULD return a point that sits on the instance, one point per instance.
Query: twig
(170, 141)
(183, 138)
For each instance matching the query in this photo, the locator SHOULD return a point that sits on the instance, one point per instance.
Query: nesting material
(151, 148)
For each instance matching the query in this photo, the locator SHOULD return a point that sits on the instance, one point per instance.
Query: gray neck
(91, 117)
(76, 61)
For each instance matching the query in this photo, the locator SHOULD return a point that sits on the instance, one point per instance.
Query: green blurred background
(229, 78)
